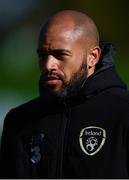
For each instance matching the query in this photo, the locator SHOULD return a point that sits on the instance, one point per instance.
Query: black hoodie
(83, 136)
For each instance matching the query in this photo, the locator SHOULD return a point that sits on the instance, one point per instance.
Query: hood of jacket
(105, 75)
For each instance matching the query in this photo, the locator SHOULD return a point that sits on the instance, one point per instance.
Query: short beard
(75, 84)
(69, 89)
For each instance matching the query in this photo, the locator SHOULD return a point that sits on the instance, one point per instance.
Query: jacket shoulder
(26, 108)
(24, 113)
(120, 93)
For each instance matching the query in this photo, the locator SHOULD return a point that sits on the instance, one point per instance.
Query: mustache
(51, 75)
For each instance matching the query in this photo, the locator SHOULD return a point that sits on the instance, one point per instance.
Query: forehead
(60, 34)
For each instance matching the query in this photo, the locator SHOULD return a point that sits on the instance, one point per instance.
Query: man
(79, 126)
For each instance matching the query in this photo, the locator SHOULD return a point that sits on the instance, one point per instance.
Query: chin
(54, 91)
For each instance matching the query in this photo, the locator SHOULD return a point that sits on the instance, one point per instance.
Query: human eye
(61, 55)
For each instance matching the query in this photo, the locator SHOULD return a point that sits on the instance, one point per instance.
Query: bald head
(68, 51)
(79, 23)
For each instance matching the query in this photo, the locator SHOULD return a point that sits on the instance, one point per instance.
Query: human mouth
(53, 80)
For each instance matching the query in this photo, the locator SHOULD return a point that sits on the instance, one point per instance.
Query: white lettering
(93, 133)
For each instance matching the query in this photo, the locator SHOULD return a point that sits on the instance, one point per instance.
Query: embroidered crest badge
(92, 139)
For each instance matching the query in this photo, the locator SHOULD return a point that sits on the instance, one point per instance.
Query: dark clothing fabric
(83, 136)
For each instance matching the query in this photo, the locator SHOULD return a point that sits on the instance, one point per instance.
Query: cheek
(70, 70)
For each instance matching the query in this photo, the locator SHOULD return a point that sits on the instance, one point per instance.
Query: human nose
(50, 63)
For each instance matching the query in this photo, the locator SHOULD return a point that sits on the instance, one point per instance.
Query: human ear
(93, 56)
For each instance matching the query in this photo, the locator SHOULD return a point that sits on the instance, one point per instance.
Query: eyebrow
(40, 50)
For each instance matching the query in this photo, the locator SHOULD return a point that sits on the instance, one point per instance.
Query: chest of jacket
(87, 136)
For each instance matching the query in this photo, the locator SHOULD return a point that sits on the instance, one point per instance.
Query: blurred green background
(20, 21)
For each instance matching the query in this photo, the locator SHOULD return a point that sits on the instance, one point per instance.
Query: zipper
(63, 131)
